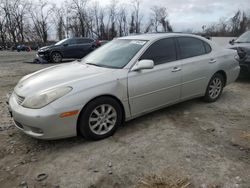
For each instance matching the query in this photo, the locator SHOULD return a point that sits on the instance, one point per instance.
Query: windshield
(61, 41)
(244, 38)
(115, 54)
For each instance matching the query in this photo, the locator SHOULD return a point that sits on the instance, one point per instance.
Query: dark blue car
(68, 48)
(242, 45)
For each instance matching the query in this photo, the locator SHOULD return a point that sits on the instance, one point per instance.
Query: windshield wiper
(242, 42)
(101, 65)
(94, 64)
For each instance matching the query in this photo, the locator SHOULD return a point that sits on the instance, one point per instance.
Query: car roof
(80, 38)
(154, 36)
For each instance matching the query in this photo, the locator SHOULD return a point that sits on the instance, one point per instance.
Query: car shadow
(244, 78)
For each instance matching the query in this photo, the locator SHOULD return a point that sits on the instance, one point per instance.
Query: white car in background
(124, 79)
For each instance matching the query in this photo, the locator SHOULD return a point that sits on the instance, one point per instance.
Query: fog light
(36, 130)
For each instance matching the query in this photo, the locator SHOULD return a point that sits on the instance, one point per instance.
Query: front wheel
(214, 88)
(56, 57)
(100, 118)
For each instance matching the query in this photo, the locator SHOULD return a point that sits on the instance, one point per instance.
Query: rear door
(196, 65)
(153, 88)
(84, 46)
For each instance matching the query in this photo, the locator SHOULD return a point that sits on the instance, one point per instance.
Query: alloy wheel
(215, 88)
(102, 119)
(56, 57)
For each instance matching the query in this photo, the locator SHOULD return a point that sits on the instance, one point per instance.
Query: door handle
(212, 61)
(176, 69)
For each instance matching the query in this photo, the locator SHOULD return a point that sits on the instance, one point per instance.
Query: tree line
(233, 26)
(25, 21)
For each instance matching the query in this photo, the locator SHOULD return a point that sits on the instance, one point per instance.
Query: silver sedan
(124, 79)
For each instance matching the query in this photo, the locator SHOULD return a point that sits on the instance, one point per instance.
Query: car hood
(56, 76)
(47, 48)
(237, 45)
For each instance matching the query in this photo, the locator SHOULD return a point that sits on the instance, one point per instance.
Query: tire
(56, 57)
(96, 127)
(214, 88)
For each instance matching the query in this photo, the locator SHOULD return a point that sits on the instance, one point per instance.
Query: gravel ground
(192, 144)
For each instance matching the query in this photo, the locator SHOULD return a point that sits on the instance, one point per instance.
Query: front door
(69, 49)
(154, 88)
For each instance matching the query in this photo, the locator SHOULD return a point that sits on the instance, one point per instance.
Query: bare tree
(111, 25)
(234, 26)
(122, 21)
(132, 23)
(59, 17)
(160, 15)
(136, 12)
(41, 17)
(3, 28)
(79, 17)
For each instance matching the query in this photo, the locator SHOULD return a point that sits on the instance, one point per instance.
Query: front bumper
(44, 123)
(45, 55)
(245, 66)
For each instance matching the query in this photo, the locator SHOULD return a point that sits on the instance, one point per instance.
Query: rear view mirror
(143, 64)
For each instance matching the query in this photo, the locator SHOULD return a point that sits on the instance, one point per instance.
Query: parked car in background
(68, 48)
(242, 45)
(123, 79)
(23, 47)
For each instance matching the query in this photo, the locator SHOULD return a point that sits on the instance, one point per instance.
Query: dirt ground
(192, 144)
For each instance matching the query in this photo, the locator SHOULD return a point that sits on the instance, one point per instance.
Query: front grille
(19, 99)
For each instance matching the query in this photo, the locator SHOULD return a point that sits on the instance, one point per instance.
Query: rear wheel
(56, 57)
(214, 88)
(100, 118)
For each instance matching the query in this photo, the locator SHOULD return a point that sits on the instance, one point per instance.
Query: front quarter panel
(112, 84)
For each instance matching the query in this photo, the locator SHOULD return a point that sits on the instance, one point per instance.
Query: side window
(84, 41)
(71, 41)
(161, 51)
(190, 47)
(207, 47)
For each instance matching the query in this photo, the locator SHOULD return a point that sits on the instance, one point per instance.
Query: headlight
(42, 99)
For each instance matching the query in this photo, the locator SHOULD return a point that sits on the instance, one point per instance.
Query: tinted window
(190, 47)
(161, 51)
(83, 41)
(70, 41)
(207, 47)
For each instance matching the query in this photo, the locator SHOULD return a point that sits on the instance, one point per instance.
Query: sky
(188, 14)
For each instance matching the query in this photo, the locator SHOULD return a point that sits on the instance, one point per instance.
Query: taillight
(98, 43)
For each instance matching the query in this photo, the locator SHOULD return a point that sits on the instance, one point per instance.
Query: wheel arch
(58, 51)
(105, 95)
(223, 73)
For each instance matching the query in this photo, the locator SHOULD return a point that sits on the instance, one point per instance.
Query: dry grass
(165, 179)
(245, 136)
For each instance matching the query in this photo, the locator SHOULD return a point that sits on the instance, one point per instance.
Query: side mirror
(143, 64)
(231, 41)
(65, 44)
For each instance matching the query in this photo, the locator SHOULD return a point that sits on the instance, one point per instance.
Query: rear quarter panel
(226, 61)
